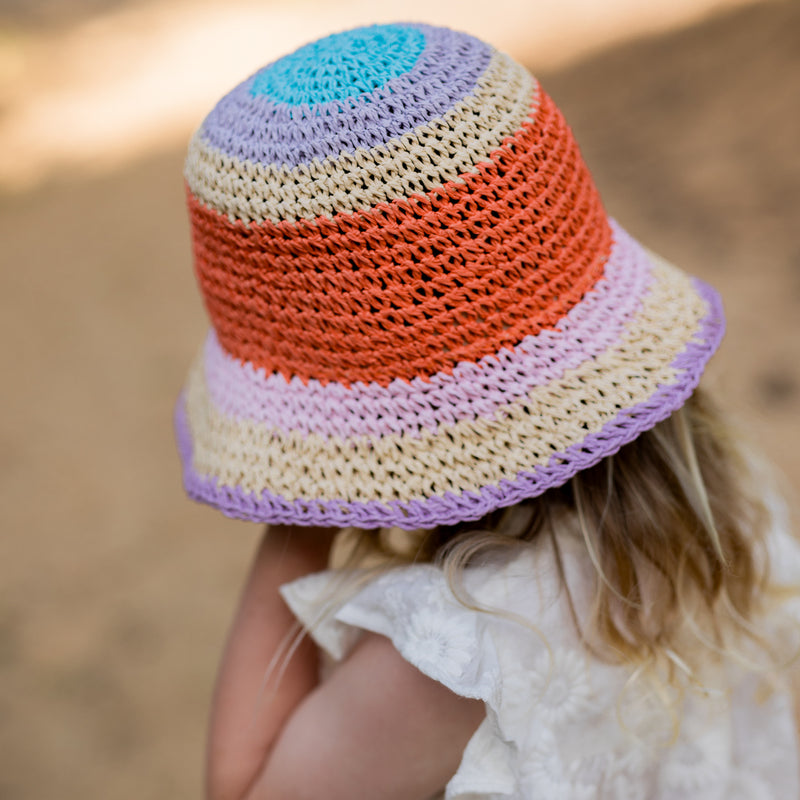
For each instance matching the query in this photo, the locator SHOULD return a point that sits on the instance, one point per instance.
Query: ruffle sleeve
(474, 654)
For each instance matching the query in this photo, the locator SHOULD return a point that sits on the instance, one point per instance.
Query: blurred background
(115, 590)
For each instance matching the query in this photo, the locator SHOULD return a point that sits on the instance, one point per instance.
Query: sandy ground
(115, 590)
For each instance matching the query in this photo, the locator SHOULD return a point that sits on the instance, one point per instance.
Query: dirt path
(115, 590)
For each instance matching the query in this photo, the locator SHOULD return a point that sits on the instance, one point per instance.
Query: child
(424, 322)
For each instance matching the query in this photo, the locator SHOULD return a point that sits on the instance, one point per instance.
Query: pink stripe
(473, 390)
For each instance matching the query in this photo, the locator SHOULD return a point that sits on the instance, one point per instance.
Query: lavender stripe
(257, 128)
(472, 390)
(451, 508)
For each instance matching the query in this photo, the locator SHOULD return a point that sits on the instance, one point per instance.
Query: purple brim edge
(450, 508)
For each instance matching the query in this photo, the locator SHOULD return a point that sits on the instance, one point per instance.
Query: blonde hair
(673, 527)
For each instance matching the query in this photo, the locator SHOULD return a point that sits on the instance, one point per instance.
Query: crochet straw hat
(420, 310)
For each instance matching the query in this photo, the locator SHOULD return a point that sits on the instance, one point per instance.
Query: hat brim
(453, 446)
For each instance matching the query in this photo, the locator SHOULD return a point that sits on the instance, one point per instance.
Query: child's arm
(377, 728)
(244, 719)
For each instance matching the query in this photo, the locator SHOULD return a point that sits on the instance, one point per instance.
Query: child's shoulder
(485, 637)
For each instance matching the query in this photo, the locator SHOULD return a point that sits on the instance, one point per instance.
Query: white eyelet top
(559, 722)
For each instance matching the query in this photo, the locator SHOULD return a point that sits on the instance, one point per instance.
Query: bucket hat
(420, 310)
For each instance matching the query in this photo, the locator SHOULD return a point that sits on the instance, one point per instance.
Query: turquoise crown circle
(341, 65)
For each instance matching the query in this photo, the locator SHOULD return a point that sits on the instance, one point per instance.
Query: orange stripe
(411, 287)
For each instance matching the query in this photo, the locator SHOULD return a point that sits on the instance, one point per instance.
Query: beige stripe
(419, 161)
(469, 454)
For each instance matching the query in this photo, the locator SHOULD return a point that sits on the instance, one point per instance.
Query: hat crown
(340, 66)
(355, 90)
(429, 211)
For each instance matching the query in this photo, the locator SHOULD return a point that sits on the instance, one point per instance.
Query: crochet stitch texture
(420, 310)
